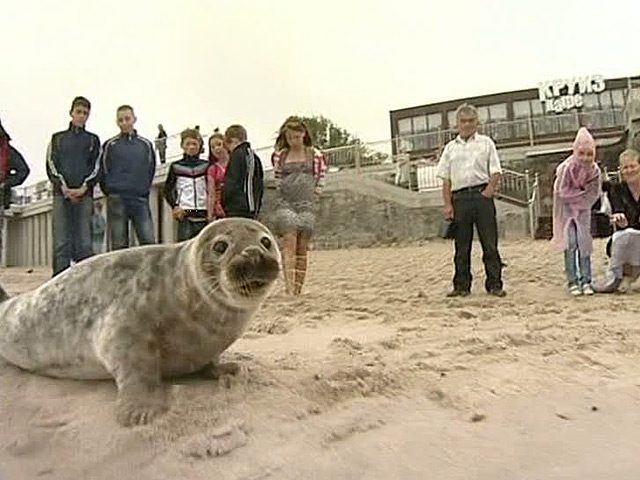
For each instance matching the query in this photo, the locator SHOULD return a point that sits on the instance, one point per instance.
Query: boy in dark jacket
(73, 166)
(186, 187)
(244, 178)
(128, 167)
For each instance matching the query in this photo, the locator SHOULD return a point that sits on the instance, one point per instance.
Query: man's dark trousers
(472, 208)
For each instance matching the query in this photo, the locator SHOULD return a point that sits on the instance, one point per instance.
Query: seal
(144, 314)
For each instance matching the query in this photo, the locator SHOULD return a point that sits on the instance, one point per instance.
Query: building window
(404, 126)
(435, 121)
(618, 98)
(521, 109)
(605, 100)
(419, 124)
(537, 109)
(451, 119)
(483, 114)
(498, 112)
(591, 102)
(521, 114)
(497, 115)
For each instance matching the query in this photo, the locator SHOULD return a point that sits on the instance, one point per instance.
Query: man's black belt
(475, 188)
(195, 213)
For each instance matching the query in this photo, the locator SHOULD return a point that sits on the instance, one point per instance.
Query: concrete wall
(356, 210)
(359, 211)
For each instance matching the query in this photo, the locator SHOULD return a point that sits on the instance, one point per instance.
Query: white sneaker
(575, 290)
(587, 290)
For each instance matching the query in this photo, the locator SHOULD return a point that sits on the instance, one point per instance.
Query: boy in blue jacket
(128, 166)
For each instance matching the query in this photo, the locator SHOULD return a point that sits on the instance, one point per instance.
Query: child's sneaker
(587, 289)
(575, 290)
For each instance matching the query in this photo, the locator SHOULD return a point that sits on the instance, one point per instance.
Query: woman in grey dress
(299, 172)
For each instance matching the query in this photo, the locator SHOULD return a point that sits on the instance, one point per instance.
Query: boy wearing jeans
(72, 167)
(128, 166)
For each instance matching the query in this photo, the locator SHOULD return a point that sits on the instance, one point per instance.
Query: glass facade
(518, 120)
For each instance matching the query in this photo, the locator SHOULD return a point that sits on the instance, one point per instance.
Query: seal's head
(236, 258)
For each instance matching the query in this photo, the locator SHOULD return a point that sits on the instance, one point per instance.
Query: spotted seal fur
(145, 313)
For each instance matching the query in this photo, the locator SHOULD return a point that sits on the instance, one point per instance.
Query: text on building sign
(565, 94)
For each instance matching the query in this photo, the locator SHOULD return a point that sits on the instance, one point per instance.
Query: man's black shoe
(497, 292)
(458, 293)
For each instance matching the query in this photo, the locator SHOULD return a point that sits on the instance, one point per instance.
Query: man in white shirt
(470, 170)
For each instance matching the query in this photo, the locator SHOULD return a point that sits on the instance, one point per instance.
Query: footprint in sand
(346, 344)
(216, 442)
(390, 344)
(276, 326)
(28, 444)
(360, 425)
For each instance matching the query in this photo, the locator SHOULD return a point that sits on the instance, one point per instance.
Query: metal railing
(515, 186)
(532, 130)
(534, 206)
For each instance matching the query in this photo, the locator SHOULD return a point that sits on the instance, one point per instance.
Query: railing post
(4, 232)
(526, 185)
(538, 201)
(532, 231)
(357, 157)
(530, 127)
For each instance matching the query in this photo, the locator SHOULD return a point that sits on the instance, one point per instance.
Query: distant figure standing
(161, 144)
(98, 226)
(128, 166)
(470, 170)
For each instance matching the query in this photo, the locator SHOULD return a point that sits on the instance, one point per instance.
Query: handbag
(447, 229)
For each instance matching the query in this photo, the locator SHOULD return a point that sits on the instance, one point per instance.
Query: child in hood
(576, 188)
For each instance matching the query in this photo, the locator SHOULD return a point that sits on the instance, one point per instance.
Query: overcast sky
(213, 63)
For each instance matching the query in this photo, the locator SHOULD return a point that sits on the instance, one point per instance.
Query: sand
(372, 373)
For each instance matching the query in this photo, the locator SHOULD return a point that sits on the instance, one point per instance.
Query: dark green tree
(326, 134)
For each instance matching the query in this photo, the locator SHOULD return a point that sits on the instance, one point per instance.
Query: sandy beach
(371, 374)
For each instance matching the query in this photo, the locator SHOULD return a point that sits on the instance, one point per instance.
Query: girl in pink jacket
(576, 188)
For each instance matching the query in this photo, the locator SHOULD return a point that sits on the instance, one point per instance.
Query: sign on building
(568, 93)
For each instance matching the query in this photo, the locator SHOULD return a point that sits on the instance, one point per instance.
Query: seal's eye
(266, 243)
(220, 246)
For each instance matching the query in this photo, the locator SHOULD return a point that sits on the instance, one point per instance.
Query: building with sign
(548, 114)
